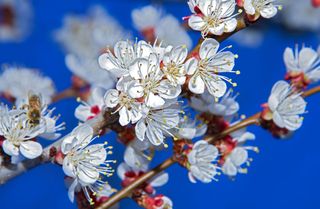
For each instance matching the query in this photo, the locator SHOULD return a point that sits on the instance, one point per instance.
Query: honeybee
(33, 108)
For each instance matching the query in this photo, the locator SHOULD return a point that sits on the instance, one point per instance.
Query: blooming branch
(125, 192)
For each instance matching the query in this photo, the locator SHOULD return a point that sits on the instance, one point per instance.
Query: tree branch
(67, 93)
(125, 192)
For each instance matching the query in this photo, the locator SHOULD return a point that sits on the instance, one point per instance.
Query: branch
(98, 123)
(67, 93)
(125, 192)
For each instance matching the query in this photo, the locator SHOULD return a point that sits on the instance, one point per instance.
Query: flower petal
(9, 148)
(160, 180)
(111, 98)
(196, 85)
(196, 23)
(30, 149)
(209, 48)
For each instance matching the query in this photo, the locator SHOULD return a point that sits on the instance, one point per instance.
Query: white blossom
(149, 82)
(189, 129)
(135, 158)
(88, 69)
(83, 162)
(146, 17)
(238, 155)
(200, 162)
(84, 37)
(170, 31)
(173, 65)
(151, 22)
(43, 116)
(205, 72)
(215, 17)
(265, 8)
(300, 15)
(156, 124)
(305, 61)
(91, 108)
(129, 109)
(125, 53)
(286, 106)
(19, 82)
(18, 135)
(227, 106)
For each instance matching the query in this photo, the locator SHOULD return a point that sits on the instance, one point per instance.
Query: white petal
(139, 68)
(289, 59)
(230, 25)
(179, 54)
(135, 159)
(82, 112)
(196, 85)
(229, 169)
(96, 154)
(216, 88)
(122, 169)
(154, 135)
(249, 8)
(109, 62)
(209, 48)
(71, 190)
(87, 175)
(160, 180)
(9, 148)
(307, 57)
(278, 120)
(191, 178)
(83, 134)
(191, 66)
(217, 30)
(293, 123)
(140, 129)
(239, 156)
(30, 149)
(125, 116)
(68, 143)
(196, 23)
(187, 133)
(153, 100)
(269, 11)
(135, 89)
(168, 91)
(68, 167)
(111, 98)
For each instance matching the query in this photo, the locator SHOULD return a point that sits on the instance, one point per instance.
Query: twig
(125, 192)
(67, 93)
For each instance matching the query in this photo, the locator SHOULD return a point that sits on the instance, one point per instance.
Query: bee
(33, 108)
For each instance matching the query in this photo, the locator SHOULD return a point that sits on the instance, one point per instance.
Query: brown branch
(125, 192)
(67, 93)
(311, 92)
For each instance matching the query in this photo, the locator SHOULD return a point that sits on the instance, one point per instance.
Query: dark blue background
(283, 175)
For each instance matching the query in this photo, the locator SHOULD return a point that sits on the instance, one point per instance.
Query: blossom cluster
(145, 87)
(30, 116)
(151, 78)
